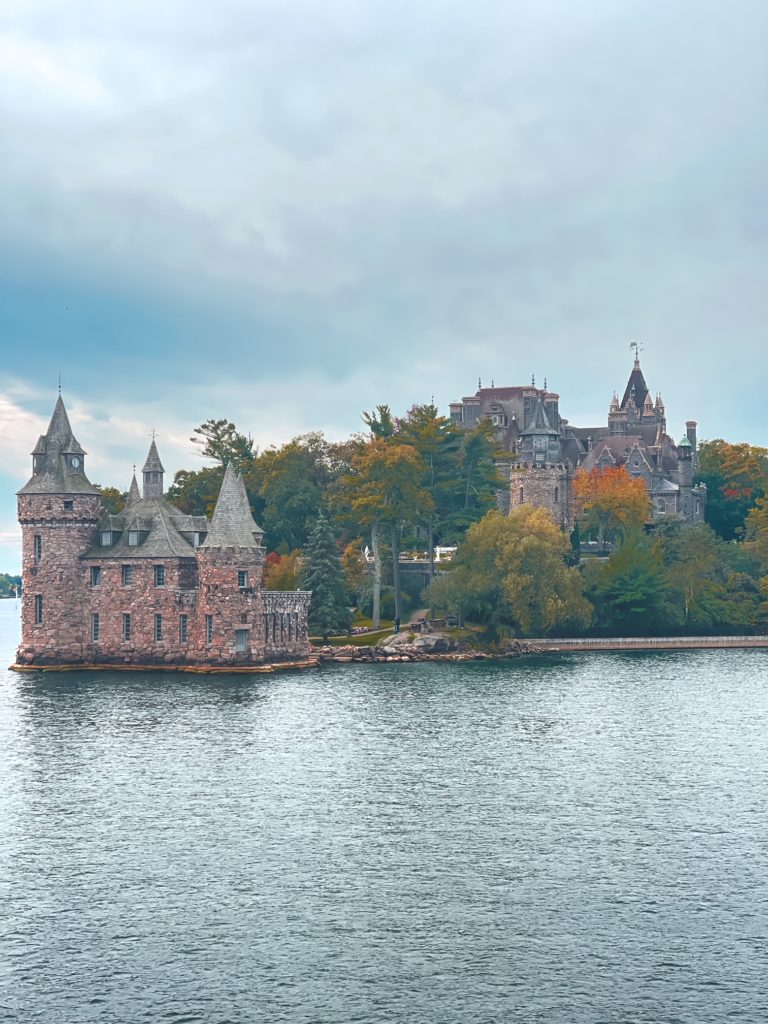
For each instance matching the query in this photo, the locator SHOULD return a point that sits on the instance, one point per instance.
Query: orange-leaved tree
(610, 502)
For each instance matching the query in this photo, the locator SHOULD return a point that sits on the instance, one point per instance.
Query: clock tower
(59, 512)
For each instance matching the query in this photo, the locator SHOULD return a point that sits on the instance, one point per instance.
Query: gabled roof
(233, 525)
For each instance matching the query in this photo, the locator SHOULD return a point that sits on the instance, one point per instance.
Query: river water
(566, 839)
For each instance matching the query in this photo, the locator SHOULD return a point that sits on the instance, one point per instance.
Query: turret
(153, 473)
(59, 510)
(231, 564)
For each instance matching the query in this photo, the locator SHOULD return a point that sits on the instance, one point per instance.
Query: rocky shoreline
(423, 647)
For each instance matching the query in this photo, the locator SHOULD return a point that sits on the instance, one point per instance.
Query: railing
(616, 643)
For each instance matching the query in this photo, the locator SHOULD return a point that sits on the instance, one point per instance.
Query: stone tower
(58, 510)
(541, 476)
(230, 568)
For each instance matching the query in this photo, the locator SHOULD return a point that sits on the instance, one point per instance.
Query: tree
(629, 590)
(323, 575)
(112, 500)
(195, 491)
(736, 476)
(511, 571)
(221, 441)
(282, 572)
(610, 502)
(384, 490)
(479, 476)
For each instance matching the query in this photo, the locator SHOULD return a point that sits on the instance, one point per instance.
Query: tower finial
(59, 381)
(533, 380)
(545, 383)
(637, 349)
(479, 384)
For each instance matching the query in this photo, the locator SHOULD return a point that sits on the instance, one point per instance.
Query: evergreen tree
(324, 576)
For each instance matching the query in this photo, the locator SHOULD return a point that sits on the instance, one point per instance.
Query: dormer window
(106, 538)
(133, 538)
(75, 462)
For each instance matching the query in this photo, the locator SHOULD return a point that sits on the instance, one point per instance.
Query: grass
(354, 639)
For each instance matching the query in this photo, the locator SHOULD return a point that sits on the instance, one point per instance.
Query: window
(95, 626)
(38, 609)
(95, 575)
(106, 538)
(183, 629)
(127, 626)
(661, 505)
(68, 506)
(159, 575)
(557, 494)
(158, 628)
(127, 575)
(522, 496)
(241, 641)
(209, 629)
(242, 578)
(38, 547)
(133, 538)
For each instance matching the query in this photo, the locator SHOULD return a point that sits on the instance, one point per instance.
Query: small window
(183, 629)
(68, 506)
(127, 575)
(127, 626)
(38, 609)
(95, 575)
(158, 628)
(661, 505)
(195, 540)
(159, 575)
(557, 494)
(133, 538)
(241, 641)
(38, 547)
(242, 578)
(522, 493)
(209, 629)
(106, 538)
(95, 626)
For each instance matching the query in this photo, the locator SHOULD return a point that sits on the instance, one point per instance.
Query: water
(572, 839)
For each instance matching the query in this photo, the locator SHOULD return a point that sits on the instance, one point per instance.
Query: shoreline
(376, 656)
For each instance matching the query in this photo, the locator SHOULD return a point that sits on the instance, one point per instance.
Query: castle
(151, 585)
(548, 450)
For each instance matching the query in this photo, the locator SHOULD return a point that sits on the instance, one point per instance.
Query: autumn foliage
(610, 501)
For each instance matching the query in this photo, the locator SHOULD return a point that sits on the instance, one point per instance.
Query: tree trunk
(396, 571)
(376, 616)
(431, 566)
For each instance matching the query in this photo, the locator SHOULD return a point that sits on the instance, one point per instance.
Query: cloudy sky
(286, 213)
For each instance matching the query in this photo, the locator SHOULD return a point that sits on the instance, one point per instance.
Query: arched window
(522, 498)
(557, 494)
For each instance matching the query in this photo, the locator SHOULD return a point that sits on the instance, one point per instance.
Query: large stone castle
(548, 450)
(150, 586)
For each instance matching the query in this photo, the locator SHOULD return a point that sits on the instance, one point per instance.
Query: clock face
(74, 462)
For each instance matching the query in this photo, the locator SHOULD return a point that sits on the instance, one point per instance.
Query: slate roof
(636, 387)
(134, 494)
(160, 526)
(153, 463)
(54, 473)
(233, 525)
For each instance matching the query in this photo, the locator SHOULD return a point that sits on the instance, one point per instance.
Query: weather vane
(638, 349)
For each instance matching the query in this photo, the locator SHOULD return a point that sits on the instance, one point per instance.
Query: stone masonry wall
(52, 570)
(233, 609)
(548, 486)
(111, 599)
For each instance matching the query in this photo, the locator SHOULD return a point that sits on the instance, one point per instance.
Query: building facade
(151, 585)
(547, 450)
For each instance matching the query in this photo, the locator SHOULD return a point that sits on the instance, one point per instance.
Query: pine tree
(324, 576)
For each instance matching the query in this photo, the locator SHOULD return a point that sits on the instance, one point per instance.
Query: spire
(134, 494)
(58, 460)
(232, 525)
(636, 388)
(153, 473)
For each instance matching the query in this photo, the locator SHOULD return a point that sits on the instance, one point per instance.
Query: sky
(285, 214)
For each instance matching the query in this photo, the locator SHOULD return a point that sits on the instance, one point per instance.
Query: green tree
(629, 590)
(195, 491)
(323, 575)
(221, 441)
(736, 476)
(112, 500)
(479, 478)
(384, 491)
(511, 571)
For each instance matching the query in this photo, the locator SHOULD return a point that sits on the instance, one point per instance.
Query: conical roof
(58, 460)
(636, 388)
(134, 494)
(233, 525)
(153, 463)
